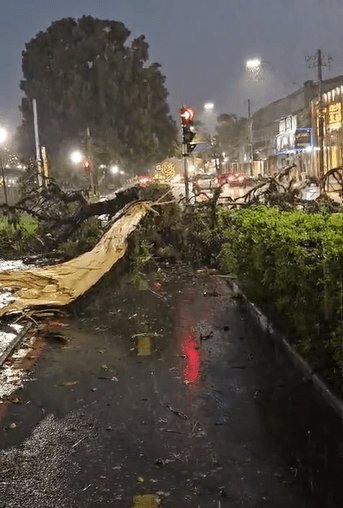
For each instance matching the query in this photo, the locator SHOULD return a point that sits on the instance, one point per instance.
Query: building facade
(284, 132)
(331, 108)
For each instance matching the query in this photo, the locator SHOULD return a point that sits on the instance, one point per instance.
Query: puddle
(146, 501)
(12, 264)
(144, 345)
(190, 348)
(7, 334)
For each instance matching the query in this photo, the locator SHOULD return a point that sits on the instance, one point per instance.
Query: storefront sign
(287, 142)
(335, 113)
(303, 138)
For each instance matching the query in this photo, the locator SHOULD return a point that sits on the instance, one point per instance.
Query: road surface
(172, 392)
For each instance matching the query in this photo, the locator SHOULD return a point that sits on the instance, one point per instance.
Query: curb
(14, 343)
(298, 361)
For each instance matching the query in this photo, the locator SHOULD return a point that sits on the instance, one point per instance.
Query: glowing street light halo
(76, 157)
(253, 64)
(114, 169)
(208, 106)
(3, 135)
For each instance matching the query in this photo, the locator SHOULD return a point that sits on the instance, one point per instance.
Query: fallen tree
(60, 284)
(62, 213)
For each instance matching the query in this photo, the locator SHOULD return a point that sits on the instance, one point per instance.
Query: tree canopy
(232, 134)
(85, 75)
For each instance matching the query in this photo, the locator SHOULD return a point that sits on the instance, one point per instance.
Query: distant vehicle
(204, 182)
(178, 179)
(144, 180)
(233, 179)
(311, 192)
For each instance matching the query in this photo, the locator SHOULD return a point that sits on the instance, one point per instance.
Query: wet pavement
(172, 392)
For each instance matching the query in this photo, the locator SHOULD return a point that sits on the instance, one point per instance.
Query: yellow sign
(45, 162)
(335, 113)
(165, 170)
(168, 170)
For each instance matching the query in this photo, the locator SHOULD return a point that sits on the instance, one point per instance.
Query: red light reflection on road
(191, 372)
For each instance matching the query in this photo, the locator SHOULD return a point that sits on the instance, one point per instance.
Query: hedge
(291, 262)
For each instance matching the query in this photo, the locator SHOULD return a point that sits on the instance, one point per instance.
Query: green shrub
(293, 261)
(18, 234)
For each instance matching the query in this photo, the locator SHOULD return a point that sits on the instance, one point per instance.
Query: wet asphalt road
(171, 391)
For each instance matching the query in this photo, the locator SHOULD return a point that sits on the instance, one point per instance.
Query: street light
(114, 169)
(3, 137)
(253, 64)
(209, 117)
(76, 157)
(208, 106)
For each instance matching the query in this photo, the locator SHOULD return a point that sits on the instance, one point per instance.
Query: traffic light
(188, 130)
(87, 165)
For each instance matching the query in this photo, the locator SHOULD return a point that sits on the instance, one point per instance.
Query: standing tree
(232, 134)
(84, 76)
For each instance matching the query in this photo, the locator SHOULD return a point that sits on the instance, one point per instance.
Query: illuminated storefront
(333, 128)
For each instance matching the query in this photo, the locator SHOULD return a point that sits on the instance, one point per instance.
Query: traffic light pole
(187, 135)
(185, 171)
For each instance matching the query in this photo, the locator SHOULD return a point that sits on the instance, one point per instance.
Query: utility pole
(320, 119)
(89, 157)
(3, 178)
(251, 151)
(185, 171)
(38, 153)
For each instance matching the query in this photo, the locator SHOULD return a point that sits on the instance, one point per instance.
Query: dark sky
(201, 44)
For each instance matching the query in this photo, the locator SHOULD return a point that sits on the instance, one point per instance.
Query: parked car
(233, 179)
(204, 182)
(144, 180)
(222, 179)
(178, 179)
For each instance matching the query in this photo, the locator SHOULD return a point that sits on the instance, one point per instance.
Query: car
(233, 179)
(311, 192)
(204, 182)
(178, 179)
(221, 179)
(144, 180)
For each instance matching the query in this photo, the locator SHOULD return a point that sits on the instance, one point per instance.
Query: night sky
(202, 45)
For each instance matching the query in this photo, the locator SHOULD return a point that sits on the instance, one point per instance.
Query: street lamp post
(3, 136)
(251, 147)
(209, 110)
(254, 66)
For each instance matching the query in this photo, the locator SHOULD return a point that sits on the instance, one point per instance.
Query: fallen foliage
(61, 284)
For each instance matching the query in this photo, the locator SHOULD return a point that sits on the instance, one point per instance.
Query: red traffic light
(86, 164)
(187, 115)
